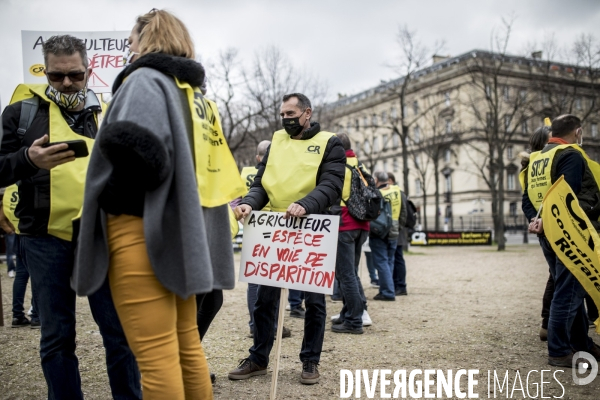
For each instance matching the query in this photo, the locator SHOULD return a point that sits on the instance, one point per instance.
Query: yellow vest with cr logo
(539, 179)
(392, 194)
(216, 172)
(292, 166)
(248, 174)
(67, 181)
(9, 204)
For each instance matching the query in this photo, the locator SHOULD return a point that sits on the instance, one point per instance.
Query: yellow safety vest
(539, 177)
(248, 174)
(67, 181)
(9, 204)
(216, 172)
(392, 194)
(522, 178)
(292, 166)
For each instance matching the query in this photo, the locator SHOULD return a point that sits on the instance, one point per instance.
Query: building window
(395, 141)
(512, 210)
(448, 126)
(594, 130)
(404, 111)
(394, 113)
(418, 187)
(510, 181)
(374, 120)
(507, 121)
(385, 165)
(417, 133)
(509, 152)
(384, 141)
(447, 99)
(395, 165)
(524, 129)
(349, 127)
(448, 183)
(545, 99)
(366, 147)
(416, 107)
(383, 117)
(357, 147)
(488, 91)
(523, 95)
(418, 161)
(356, 124)
(578, 103)
(376, 144)
(506, 93)
(365, 122)
(447, 155)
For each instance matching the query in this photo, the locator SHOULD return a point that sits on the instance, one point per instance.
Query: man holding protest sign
(51, 182)
(567, 326)
(302, 173)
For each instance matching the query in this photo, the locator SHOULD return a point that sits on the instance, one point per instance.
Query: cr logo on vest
(314, 149)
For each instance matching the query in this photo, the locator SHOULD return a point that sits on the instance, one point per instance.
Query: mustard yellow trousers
(160, 327)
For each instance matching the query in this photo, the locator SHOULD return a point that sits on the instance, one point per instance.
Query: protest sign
(105, 52)
(572, 237)
(295, 253)
(467, 238)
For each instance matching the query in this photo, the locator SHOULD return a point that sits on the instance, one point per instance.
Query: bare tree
(499, 109)
(414, 55)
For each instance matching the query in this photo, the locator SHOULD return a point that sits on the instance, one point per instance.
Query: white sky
(346, 43)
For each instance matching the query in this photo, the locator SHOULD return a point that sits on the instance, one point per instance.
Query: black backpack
(382, 225)
(364, 202)
(411, 215)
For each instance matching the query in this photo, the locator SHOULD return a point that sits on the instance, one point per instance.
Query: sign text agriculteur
(295, 253)
(105, 52)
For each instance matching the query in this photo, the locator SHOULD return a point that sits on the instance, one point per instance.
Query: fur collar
(182, 68)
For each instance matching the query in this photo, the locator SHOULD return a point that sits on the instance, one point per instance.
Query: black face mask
(292, 125)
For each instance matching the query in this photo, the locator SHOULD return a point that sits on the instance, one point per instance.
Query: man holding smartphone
(51, 180)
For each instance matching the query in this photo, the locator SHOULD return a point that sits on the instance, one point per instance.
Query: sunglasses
(59, 76)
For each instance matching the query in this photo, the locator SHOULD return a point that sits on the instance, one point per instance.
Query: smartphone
(77, 146)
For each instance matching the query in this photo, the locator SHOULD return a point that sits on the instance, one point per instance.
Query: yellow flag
(573, 238)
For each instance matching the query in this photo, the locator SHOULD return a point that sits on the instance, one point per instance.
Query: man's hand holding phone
(51, 156)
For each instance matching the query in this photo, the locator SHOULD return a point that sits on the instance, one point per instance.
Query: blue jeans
(383, 261)
(20, 287)
(251, 296)
(10, 240)
(346, 267)
(399, 270)
(295, 298)
(568, 324)
(264, 318)
(49, 261)
(370, 267)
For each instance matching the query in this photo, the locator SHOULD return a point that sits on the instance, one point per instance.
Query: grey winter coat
(189, 246)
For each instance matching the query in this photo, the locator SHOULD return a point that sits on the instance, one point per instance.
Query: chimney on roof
(536, 55)
(438, 58)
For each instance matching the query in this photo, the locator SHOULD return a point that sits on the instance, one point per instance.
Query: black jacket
(33, 209)
(330, 178)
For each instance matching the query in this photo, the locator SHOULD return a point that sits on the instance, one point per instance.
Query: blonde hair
(162, 32)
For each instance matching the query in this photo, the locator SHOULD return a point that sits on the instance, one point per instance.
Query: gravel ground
(467, 307)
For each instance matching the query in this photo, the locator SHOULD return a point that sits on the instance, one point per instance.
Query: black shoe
(297, 312)
(565, 361)
(20, 322)
(336, 299)
(401, 292)
(337, 321)
(36, 324)
(310, 373)
(213, 378)
(379, 296)
(342, 328)
(246, 369)
(285, 333)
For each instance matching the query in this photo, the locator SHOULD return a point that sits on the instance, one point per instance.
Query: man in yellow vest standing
(562, 156)
(51, 182)
(302, 173)
(383, 248)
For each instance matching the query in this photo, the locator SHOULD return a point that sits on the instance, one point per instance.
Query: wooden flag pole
(282, 302)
